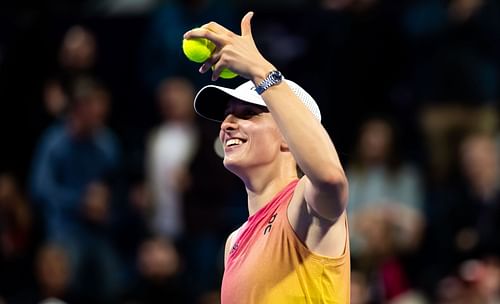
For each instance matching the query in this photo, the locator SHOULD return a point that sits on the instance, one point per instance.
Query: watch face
(276, 76)
(272, 78)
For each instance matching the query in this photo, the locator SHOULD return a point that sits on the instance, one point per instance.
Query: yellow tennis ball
(198, 49)
(226, 73)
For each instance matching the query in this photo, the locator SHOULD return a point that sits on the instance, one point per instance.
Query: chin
(233, 166)
(230, 164)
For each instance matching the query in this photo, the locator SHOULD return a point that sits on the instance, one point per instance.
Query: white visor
(211, 101)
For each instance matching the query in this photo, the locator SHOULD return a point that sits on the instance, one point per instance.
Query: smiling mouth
(234, 142)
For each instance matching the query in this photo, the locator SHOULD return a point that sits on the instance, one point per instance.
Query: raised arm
(325, 184)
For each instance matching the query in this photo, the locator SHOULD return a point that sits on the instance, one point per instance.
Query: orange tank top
(268, 263)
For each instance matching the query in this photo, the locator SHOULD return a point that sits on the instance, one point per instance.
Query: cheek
(269, 139)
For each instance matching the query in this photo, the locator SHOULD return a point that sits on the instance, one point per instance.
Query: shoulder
(53, 137)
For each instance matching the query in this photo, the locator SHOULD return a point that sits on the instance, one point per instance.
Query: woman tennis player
(294, 246)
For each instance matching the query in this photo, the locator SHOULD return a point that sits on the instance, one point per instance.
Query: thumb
(246, 27)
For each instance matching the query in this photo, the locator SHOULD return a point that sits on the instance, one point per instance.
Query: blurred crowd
(112, 190)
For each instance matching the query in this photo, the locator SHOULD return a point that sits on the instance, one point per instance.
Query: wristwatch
(273, 78)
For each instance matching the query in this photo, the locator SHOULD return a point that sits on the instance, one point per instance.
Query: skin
(275, 142)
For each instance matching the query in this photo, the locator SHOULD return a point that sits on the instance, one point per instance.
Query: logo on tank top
(235, 247)
(270, 223)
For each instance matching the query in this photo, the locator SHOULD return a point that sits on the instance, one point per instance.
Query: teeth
(233, 141)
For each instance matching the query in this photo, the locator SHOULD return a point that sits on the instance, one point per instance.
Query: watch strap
(273, 78)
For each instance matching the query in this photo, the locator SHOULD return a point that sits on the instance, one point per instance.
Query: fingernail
(204, 68)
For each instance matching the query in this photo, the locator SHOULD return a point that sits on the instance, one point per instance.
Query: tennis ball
(226, 73)
(198, 49)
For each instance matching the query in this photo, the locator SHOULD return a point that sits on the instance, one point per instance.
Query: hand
(96, 202)
(235, 52)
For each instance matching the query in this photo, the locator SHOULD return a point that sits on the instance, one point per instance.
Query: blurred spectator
(360, 293)
(162, 53)
(483, 278)
(16, 237)
(385, 208)
(381, 183)
(170, 151)
(160, 279)
(476, 213)
(456, 183)
(16, 219)
(475, 281)
(451, 290)
(443, 126)
(78, 50)
(464, 214)
(72, 170)
(53, 273)
(185, 206)
(55, 98)
(77, 57)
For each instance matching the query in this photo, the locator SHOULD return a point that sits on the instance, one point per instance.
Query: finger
(209, 63)
(205, 33)
(217, 69)
(204, 67)
(246, 27)
(216, 28)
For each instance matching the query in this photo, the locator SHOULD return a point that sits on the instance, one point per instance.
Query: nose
(230, 123)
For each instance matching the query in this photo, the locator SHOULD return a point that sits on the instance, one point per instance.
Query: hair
(393, 159)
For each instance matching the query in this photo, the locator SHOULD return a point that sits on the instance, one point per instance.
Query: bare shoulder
(322, 236)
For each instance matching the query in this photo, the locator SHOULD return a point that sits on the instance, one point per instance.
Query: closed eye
(247, 113)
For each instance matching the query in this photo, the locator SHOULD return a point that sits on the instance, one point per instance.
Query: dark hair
(393, 158)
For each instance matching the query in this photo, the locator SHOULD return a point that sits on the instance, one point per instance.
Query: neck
(262, 184)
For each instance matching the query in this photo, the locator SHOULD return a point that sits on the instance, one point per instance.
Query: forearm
(308, 141)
